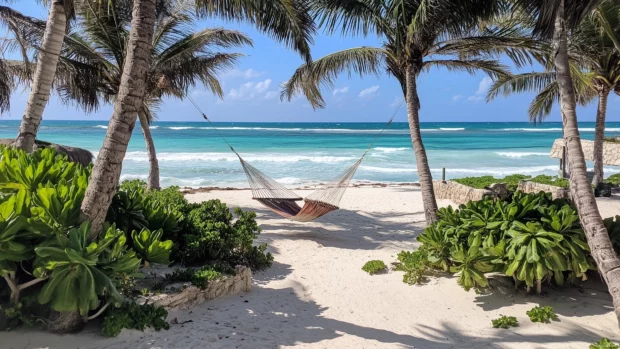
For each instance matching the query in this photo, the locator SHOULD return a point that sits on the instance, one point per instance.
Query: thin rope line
(211, 124)
(384, 128)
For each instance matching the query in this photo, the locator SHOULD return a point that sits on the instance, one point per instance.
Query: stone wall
(191, 296)
(556, 192)
(459, 193)
(611, 151)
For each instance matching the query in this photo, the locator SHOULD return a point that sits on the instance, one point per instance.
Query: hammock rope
(282, 200)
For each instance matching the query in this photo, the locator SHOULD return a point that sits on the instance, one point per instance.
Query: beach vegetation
(529, 237)
(614, 180)
(505, 322)
(130, 315)
(512, 181)
(374, 267)
(615, 139)
(604, 344)
(612, 224)
(150, 248)
(544, 314)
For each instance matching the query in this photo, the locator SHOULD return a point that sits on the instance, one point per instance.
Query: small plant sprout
(544, 314)
(604, 344)
(505, 322)
(374, 267)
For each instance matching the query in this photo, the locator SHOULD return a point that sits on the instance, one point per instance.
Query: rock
(556, 192)
(500, 190)
(459, 193)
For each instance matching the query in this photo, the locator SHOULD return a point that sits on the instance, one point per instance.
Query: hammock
(283, 201)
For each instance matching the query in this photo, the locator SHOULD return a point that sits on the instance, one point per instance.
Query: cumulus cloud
(457, 98)
(246, 74)
(484, 85)
(341, 90)
(250, 90)
(369, 92)
(271, 95)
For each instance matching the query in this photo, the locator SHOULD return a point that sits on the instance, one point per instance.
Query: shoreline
(197, 190)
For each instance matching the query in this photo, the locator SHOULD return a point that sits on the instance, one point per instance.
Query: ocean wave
(182, 128)
(180, 157)
(387, 169)
(497, 171)
(153, 127)
(391, 150)
(517, 154)
(556, 129)
(102, 126)
(452, 128)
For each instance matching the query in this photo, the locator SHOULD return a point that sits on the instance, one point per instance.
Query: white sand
(316, 295)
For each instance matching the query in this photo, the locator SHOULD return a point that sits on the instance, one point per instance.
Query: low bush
(544, 314)
(505, 322)
(374, 267)
(212, 236)
(550, 180)
(512, 181)
(531, 238)
(604, 344)
(150, 248)
(614, 180)
(133, 316)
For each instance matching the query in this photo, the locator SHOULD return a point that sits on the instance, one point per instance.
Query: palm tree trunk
(107, 171)
(47, 61)
(153, 181)
(424, 171)
(581, 190)
(599, 136)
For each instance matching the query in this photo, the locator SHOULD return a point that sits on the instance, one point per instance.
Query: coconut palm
(553, 21)
(287, 21)
(180, 59)
(47, 62)
(595, 70)
(417, 36)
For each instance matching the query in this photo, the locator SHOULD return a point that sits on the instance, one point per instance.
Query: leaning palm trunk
(424, 172)
(599, 136)
(107, 171)
(581, 190)
(153, 180)
(47, 60)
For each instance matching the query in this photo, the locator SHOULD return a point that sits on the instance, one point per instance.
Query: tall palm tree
(287, 21)
(417, 36)
(180, 59)
(47, 61)
(595, 70)
(553, 20)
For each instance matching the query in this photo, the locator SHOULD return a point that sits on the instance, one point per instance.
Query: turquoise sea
(192, 154)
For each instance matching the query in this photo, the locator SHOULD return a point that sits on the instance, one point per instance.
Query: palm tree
(595, 70)
(180, 59)
(553, 20)
(47, 61)
(417, 36)
(287, 21)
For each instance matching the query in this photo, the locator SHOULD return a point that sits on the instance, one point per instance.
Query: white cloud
(341, 90)
(474, 99)
(369, 92)
(484, 85)
(457, 98)
(396, 102)
(250, 90)
(271, 95)
(246, 74)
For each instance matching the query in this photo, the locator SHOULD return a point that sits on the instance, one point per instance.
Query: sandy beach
(317, 296)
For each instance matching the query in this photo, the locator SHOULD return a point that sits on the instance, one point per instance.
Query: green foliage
(482, 182)
(505, 322)
(205, 274)
(551, 180)
(150, 248)
(213, 236)
(414, 264)
(530, 237)
(374, 267)
(614, 180)
(76, 279)
(199, 277)
(604, 344)
(612, 224)
(134, 316)
(544, 314)
(16, 315)
(612, 139)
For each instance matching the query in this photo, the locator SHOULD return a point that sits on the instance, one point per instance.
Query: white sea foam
(517, 154)
(390, 150)
(556, 129)
(497, 171)
(187, 157)
(387, 169)
(102, 126)
(182, 128)
(452, 128)
(153, 127)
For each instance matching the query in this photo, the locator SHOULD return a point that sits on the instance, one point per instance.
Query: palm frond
(308, 78)
(287, 21)
(520, 83)
(544, 12)
(491, 67)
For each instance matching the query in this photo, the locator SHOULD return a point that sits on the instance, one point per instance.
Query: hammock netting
(283, 201)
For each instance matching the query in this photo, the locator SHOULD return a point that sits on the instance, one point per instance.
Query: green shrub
(205, 274)
(213, 236)
(614, 180)
(604, 344)
(551, 180)
(544, 314)
(374, 267)
(505, 322)
(612, 224)
(512, 181)
(134, 316)
(150, 248)
(414, 264)
(529, 237)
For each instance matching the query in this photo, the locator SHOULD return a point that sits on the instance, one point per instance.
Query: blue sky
(252, 92)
